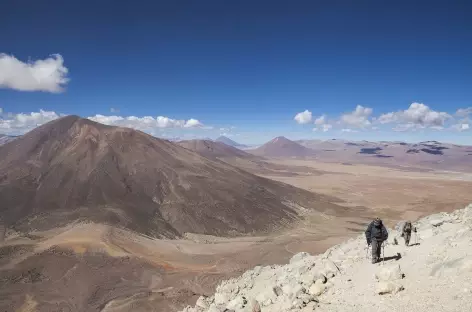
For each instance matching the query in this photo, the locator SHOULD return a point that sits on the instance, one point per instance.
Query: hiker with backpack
(376, 234)
(406, 232)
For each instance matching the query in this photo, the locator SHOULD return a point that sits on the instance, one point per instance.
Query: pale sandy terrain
(396, 193)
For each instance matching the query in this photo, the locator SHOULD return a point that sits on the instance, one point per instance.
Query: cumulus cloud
(359, 118)
(464, 112)
(192, 123)
(48, 75)
(324, 128)
(462, 126)
(322, 124)
(417, 115)
(320, 120)
(21, 123)
(147, 122)
(348, 130)
(303, 117)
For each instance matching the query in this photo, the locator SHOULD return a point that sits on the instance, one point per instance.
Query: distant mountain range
(214, 149)
(431, 154)
(230, 142)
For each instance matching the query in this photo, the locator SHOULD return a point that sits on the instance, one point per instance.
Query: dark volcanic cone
(75, 169)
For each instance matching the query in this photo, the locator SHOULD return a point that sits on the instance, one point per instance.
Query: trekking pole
(383, 253)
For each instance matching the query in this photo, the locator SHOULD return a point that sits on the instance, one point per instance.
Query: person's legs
(375, 251)
(379, 250)
(407, 238)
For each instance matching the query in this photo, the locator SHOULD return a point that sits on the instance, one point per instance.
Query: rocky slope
(434, 274)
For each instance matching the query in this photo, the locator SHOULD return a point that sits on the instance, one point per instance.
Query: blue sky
(244, 68)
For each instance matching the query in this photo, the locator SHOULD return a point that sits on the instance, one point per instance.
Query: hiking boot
(374, 261)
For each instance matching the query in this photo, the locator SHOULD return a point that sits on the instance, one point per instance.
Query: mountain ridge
(75, 169)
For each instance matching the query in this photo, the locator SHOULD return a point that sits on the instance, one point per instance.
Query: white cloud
(320, 120)
(48, 75)
(114, 110)
(359, 118)
(417, 115)
(192, 123)
(322, 124)
(21, 123)
(326, 127)
(303, 117)
(462, 126)
(349, 130)
(464, 112)
(146, 123)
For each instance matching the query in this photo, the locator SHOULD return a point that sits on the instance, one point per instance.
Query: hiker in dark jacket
(376, 234)
(406, 232)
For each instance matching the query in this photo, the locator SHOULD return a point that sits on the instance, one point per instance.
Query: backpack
(407, 227)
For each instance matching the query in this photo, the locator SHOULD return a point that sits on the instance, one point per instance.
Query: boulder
(390, 273)
(277, 290)
(237, 303)
(388, 287)
(202, 302)
(312, 276)
(317, 288)
(266, 297)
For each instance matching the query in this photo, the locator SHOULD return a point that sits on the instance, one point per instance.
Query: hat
(377, 221)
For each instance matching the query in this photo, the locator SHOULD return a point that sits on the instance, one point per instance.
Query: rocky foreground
(434, 274)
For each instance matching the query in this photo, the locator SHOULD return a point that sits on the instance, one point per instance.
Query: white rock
(221, 298)
(330, 267)
(266, 296)
(202, 302)
(237, 303)
(389, 273)
(388, 287)
(317, 289)
(298, 257)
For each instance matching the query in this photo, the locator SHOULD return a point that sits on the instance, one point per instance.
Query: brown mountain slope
(75, 169)
(282, 147)
(212, 149)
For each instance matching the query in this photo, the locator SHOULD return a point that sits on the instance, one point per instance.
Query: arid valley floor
(119, 270)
